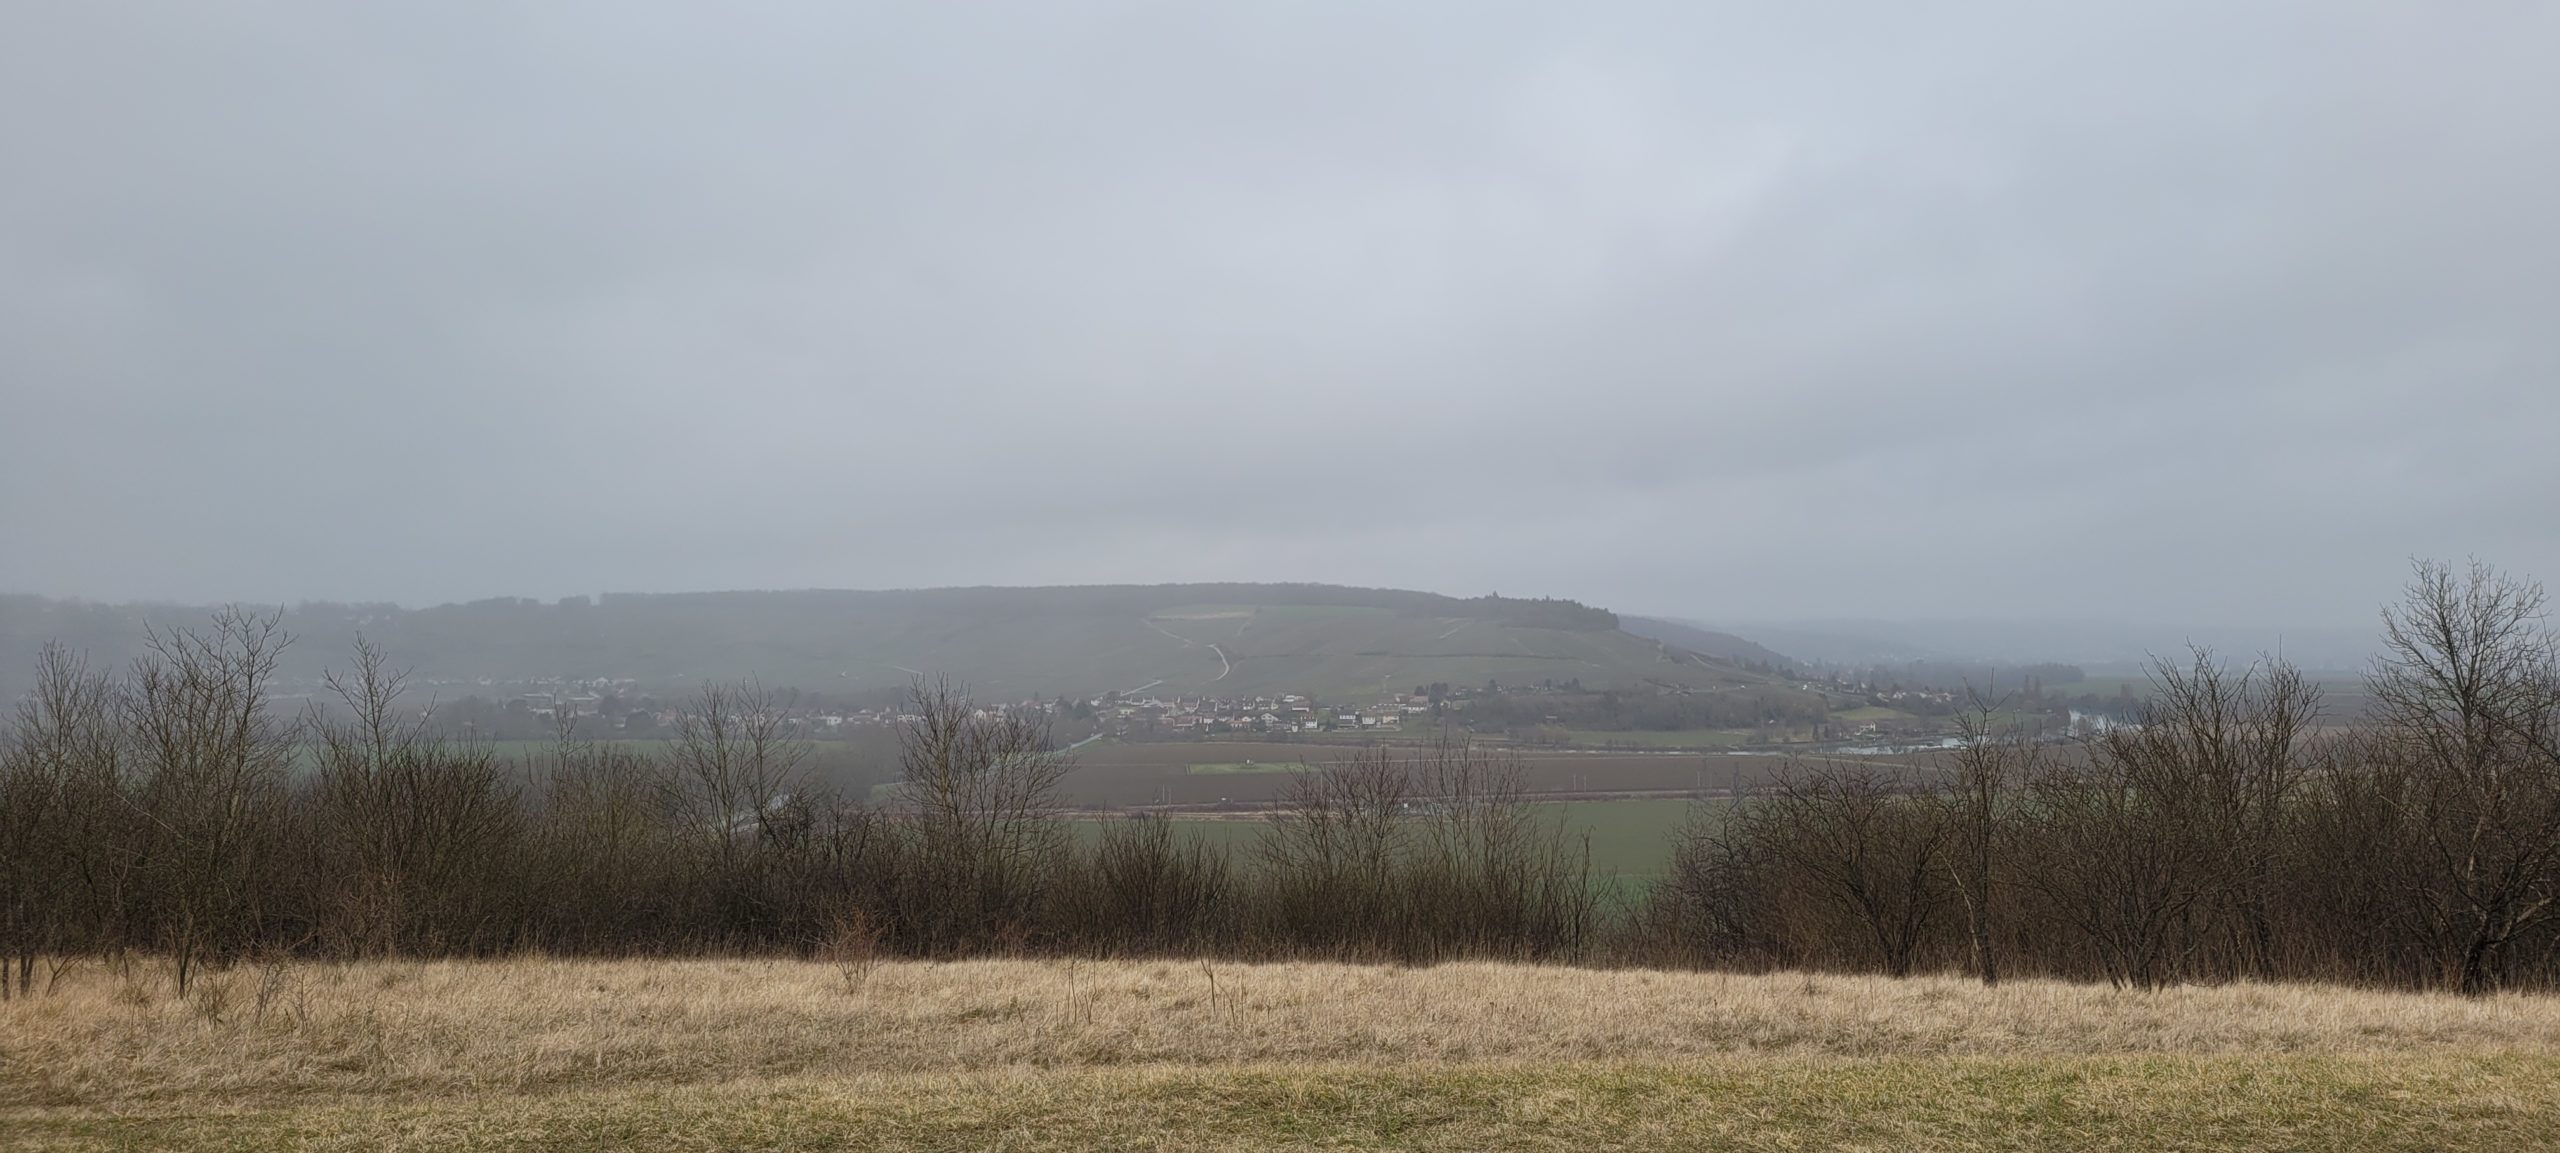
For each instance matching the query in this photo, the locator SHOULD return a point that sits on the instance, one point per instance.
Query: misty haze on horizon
(114, 630)
(2023, 322)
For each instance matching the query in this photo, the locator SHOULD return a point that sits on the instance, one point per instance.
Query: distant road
(1224, 665)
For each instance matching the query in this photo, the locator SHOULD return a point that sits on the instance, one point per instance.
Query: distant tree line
(1962, 676)
(1537, 613)
(2229, 835)
(167, 807)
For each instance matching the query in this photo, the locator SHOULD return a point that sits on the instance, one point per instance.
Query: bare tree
(1330, 853)
(410, 826)
(601, 845)
(2468, 702)
(1152, 888)
(61, 815)
(2241, 741)
(1515, 882)
(2167, 836)
(2353, 887)
(1724, 900)
(212, 759)
(1990, 763)
(2121, 856)
(980, 800)
(732, 762)
(1864, 839)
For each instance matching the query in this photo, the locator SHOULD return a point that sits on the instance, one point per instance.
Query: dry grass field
(1035, 1055)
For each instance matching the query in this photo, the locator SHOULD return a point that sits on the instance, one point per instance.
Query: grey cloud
(2161, 311)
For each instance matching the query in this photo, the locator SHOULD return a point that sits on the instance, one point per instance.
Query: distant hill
(1228, 639)
(1705, 641)
(2094, 645)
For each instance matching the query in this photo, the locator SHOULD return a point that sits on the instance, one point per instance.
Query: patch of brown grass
(326, 1045)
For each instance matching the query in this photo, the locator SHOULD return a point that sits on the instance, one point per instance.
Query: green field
(1866, 713)
(1215, 768)
(1629, 839)
(1662, 739)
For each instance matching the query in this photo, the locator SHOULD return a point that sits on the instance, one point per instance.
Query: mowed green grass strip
(1220, 768)
(1660, 738)
(2237, 1102)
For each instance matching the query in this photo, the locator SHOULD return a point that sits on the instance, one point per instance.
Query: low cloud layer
(2170, 312)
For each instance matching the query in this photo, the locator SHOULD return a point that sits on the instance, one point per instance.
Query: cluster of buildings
(1143, 715)
(1285, 713)
(615, 707)
(579, 702)
(1945, 697)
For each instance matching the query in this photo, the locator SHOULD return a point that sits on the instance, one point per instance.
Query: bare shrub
(1329, 854)
(275, 975)
(979, 823)
(853, 948)
(1490, 874)
(1420, 858)
(1861, 839)
(210, 998)
(1147, 888)
(1722, 904)
(605, 864)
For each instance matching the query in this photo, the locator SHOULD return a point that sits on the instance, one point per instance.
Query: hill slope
(1227, 639)
(1705, 641)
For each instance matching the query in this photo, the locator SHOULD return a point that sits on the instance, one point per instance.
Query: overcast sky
(2194, 312)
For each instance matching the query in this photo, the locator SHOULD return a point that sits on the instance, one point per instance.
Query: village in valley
(609, 709)
(1845, 709)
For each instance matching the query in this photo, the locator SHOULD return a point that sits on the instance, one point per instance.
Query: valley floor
(1034, 1055)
